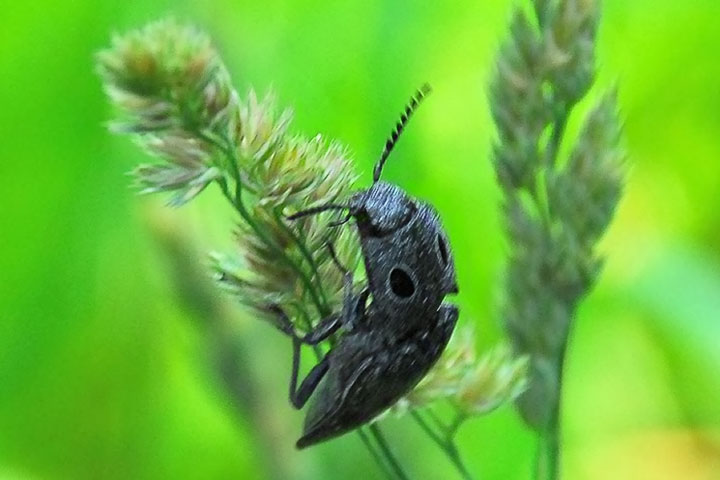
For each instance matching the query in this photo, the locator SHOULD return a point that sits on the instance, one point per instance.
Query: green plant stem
(236, 201)
(547, 467)
(245, 215)
(460, 417)
(387, 453)
(436, 420)
(552, 446)
(551, 155)
(547, 460)
(382, 463)
(306, 253)
(553, 147)
(445, 442)
(321, 307)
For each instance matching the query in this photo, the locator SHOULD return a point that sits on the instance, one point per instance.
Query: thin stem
(428, 429)
(551, 435)
(375, 454)
(539, 451)
(546, 461)
(438, 423)
(537, 471)
(551, 156)
(446, 444)
(460, 417)
(559, 124)
(547, 466)
(308, 326)
(538, 192)
(245, 215)
(224, 145)
(321, 307)
(306, 253)
(385, 449)
(553, 452)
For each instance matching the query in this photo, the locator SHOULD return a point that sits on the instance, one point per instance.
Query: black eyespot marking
(401, 283)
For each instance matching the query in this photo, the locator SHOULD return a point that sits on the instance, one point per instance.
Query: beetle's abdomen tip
(317, 435)
(304, 442)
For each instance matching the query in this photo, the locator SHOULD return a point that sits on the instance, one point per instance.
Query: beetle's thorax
(408, 262)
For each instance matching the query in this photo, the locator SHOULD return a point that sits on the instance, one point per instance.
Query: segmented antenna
(415, 100)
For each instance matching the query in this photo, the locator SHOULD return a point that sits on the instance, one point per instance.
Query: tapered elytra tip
(311, 438)
(302, 443)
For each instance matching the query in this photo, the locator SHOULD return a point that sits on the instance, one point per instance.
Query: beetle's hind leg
(326, 327)
(353, 309)
(299, 396)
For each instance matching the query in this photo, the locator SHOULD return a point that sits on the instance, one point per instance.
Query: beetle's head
(381, 209)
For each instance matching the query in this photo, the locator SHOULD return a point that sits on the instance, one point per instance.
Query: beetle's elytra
(397, 326)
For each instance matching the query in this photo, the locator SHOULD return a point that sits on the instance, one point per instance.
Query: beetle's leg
(342, 221)
(326, 327)
(353, 306)
(360, 304)
(323, 330)
(335, 259)
(299, 396)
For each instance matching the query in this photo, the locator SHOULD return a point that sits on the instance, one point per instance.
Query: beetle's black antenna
(415, 100)
(316, 210)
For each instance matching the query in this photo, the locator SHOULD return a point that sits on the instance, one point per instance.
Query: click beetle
(397, 326)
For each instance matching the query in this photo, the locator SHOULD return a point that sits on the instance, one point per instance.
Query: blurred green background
(103, 373)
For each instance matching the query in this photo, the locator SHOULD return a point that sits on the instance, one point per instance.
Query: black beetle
(390, 343)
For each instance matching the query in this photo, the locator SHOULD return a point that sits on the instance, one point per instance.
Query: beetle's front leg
(353, 305)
